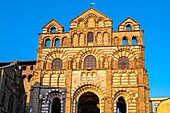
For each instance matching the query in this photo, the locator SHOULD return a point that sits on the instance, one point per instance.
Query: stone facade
(27, 68)
(90, 64)
(12, 93)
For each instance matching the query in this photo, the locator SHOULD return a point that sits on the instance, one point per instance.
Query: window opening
(90, 62)
(47, 43)
(90, 37)
(57, 64)
(53, 30)
(128, 28)
(125, 41)
(121, 105)
(134, 41)
(57, 43)
(123, 62)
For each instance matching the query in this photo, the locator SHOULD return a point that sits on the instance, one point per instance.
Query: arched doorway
(121, 105)
(88, 103)
(56, 106)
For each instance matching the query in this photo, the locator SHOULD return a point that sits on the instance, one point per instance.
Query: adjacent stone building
(27, 68)
(91, 68)
(12, 93)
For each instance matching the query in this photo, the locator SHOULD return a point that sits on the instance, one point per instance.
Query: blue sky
(22, 20)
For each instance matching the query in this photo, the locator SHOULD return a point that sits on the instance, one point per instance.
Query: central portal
(88, 103)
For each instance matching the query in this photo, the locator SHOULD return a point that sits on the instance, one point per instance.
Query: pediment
(53, 22)
(91, 12)
(129, 20)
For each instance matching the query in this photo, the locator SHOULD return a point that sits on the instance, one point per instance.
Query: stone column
(108, 98)
(68, 91)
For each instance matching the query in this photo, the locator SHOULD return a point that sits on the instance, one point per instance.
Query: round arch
(88, 88)
(49, 97)
(126, 52)
(128, 97)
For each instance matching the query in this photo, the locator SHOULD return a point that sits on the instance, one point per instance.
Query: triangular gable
(53, 22)
(90, 11)
(129, 20)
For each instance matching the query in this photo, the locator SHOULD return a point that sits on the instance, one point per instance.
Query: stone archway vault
(84, 89)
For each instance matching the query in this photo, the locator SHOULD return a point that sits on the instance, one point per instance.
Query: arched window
(134, 41)
(121, 105)
(29, 77)
(53, 30)
(90, 62)
(123, 62)
(90, 37)
(57, 64)
(128, 28)
(47, 43)
(10, 104)
(56, 105)
(124, 41)
(57, 42)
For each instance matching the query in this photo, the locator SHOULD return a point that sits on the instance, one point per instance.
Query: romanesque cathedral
(90, 69)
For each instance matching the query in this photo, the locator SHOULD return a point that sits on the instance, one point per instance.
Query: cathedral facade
(91, 68)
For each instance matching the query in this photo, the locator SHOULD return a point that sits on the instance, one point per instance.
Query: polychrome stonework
(91, 68)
